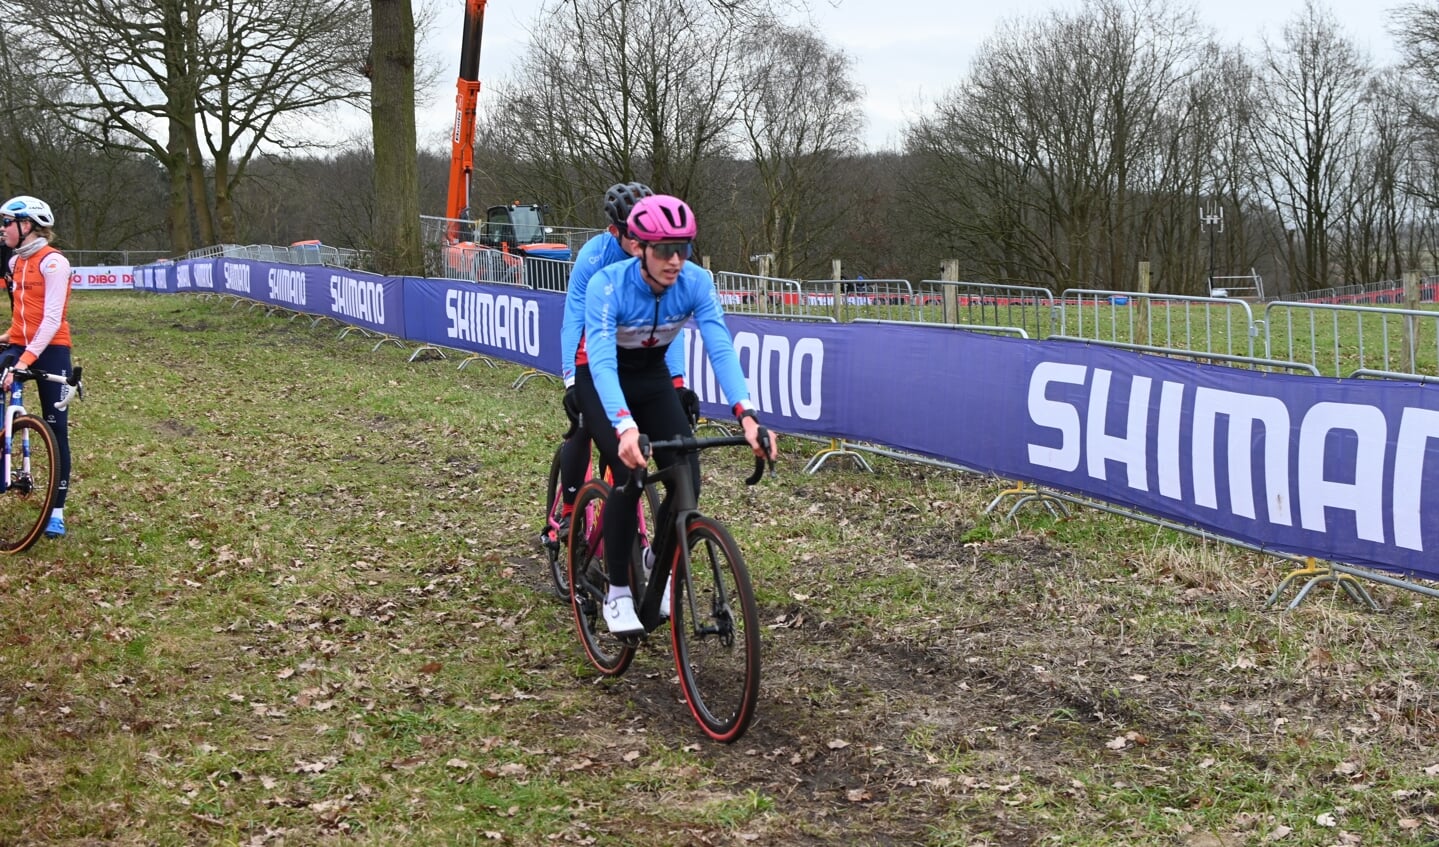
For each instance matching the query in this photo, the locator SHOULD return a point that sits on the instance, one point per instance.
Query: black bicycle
(713, 617)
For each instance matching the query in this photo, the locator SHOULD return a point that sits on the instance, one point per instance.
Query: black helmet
(621, 199)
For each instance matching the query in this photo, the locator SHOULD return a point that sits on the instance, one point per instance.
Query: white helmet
(33, 208)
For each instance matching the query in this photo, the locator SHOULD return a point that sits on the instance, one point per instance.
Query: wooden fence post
(1411, 301)
(949, 272)
(1141, 332)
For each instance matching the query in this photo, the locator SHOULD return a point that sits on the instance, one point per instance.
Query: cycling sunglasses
(666, 250)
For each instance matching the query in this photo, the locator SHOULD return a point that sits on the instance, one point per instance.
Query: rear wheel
(589, 582)
(715, 631)
(30, 491)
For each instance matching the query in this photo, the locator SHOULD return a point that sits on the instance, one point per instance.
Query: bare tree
(175, 79)
(1372, 230)
(599, 98)
(1041, 165)
(799, 115)
(1415, 26)
(1309, 95)
(396, 240)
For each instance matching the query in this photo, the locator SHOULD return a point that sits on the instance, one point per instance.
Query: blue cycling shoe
(55, 528)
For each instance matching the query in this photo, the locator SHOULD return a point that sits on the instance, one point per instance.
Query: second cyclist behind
(634, 310)
(607, 248)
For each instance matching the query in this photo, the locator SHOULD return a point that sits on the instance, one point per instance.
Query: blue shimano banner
(515, 324)
(358, 298)
(1331, 468)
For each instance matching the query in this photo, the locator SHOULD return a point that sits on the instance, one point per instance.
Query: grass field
(301, 603)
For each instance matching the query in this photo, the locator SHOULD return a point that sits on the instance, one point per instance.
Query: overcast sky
(907, 52)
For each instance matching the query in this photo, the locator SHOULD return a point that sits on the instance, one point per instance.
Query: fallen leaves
(1128, 738)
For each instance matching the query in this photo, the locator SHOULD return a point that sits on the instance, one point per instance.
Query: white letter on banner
(1171, 404)
(502, 321)
(1365, 495)
(775, 347)
(1128, 449)
(808, 350)
(1243, 411)
(1416, 427)
(452, 314)
(517, 324)
(532, 327)
(1055, 414)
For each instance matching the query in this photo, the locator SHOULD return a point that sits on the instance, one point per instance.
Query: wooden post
(1141, 333)
(949, 295)
(764, 264)
(1411, 301)
(836, 273)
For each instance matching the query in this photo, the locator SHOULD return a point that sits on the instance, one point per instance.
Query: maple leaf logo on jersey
(649, 342)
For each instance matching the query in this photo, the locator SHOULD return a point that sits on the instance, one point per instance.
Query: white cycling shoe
(620, 617)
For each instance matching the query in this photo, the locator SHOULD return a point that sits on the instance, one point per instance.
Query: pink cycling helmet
(662, 218)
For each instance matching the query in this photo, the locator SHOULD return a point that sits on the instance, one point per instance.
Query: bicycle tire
(554, 504)
(589, 582)
(26, 502)
(715, 629)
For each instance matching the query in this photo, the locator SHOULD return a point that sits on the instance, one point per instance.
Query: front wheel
(589, 581)
(715, 630)
(30, 491)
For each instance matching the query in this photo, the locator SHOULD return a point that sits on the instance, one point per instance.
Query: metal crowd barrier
(1160, 323)
(1352, 340)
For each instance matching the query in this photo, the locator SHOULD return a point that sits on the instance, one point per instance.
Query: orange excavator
(515, 230)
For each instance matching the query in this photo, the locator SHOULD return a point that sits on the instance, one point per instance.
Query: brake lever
(761, 461)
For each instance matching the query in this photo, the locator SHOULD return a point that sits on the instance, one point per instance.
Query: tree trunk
(179, 194)
(396, 226)
(224, 207)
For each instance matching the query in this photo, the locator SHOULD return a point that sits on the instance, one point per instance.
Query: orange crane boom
(462, 135)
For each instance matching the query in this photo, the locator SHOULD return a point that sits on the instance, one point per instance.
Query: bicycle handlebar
(33, 373)
(690, 444)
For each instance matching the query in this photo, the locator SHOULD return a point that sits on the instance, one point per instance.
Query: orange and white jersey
(39, 300)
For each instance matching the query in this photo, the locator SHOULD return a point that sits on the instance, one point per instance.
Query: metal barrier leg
(388, 338)
(717, 427)
(477, 357)
(836, 449)
(1318, 573)
(531, 373)
(425, 348)
(1026, 495)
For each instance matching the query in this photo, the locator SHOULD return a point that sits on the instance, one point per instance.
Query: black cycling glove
(690, 402)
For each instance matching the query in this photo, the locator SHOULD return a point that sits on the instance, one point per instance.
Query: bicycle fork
(718, 621)
(14, 409)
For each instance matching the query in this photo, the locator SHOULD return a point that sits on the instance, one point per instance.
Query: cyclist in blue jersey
(633, 311)
(613, 245)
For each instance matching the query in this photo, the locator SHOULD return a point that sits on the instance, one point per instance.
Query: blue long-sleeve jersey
(599, 252)
(628, 326)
